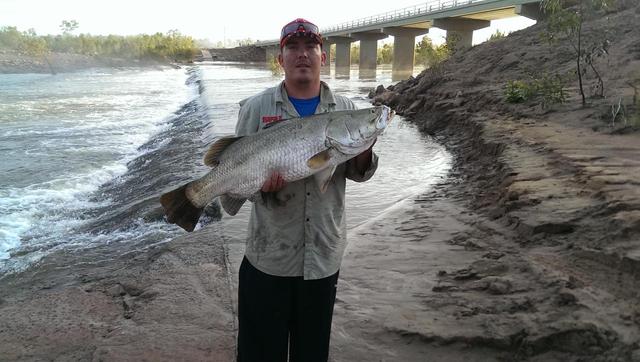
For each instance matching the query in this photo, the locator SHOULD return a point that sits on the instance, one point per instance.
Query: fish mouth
(385, 118)
(353, 148)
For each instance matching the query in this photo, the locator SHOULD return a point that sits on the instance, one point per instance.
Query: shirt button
(308, 193)
(307, 219)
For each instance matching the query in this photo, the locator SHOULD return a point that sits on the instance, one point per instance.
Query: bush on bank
(171, 46)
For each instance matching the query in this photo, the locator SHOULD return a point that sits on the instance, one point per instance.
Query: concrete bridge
(459, 18)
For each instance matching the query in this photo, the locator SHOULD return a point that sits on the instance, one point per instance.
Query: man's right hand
(274, 183)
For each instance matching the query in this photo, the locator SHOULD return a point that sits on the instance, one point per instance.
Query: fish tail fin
(179, 209)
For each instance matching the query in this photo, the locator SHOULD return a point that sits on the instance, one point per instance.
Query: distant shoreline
(12, 62)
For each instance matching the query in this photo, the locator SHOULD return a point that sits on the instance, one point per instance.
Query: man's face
(301, 58)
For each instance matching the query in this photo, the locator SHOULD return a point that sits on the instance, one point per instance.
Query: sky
(215, 20)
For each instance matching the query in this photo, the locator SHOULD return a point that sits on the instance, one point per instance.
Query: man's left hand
(363, 160)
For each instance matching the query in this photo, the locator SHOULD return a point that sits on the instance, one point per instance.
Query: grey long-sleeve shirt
(298, 231)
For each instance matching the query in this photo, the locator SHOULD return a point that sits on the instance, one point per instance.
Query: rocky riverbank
(248, 53)
(13, 62)
(530, 250)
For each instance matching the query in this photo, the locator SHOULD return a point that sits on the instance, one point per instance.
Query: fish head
(352, 132)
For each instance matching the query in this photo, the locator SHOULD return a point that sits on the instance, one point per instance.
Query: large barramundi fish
(295, 148)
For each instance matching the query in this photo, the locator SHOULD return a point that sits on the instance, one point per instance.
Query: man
(297, 235)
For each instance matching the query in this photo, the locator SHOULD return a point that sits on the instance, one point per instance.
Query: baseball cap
(300, 27)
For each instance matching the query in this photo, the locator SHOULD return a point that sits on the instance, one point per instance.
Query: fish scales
(285, 149)
(295, 149)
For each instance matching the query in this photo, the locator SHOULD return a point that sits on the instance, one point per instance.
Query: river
(86, 155)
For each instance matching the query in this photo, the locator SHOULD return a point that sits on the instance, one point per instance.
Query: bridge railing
(420, 9)
(404, 13)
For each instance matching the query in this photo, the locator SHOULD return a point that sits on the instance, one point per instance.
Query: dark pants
(280, 316)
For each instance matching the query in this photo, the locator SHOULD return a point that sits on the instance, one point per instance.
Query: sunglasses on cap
(300, 27)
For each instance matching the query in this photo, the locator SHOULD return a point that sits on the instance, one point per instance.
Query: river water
(85, 155)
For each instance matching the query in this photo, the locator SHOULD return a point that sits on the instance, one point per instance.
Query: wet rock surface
(169, 302)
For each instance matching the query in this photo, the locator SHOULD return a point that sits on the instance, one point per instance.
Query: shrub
(548, 88)
(274, 66)
(518, 91)
(497, 35)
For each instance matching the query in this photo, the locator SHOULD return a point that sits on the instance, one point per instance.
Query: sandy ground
(440, 279)
(530, 250)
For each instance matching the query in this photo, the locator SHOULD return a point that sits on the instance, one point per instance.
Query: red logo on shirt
(270, 119)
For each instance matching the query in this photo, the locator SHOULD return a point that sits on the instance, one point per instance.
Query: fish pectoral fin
(231, 204)
(211, 158)
(323, 178)
(319, 160)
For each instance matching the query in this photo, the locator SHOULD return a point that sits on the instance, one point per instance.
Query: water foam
(41, 214)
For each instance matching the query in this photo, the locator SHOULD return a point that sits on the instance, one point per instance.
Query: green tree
(35, 46)
(10, 37)
(245, 42)
(452, 42)
(68, 26)
(385, 54)
(355, 53)
(170, 46)
(428, 54)
(567, 19)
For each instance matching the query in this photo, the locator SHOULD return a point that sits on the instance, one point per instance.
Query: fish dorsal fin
(273, 123)
(319, 160)
(213, 155)
(324, 177)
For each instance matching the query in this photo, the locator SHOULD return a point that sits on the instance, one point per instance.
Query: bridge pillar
(404, 44)
(531, 11)
(343, 55)
(368, 53)
(460, 31)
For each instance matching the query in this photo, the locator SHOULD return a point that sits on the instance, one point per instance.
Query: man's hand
(363, 160)
(274, 183)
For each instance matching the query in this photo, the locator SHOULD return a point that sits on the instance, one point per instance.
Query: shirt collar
(327, 100)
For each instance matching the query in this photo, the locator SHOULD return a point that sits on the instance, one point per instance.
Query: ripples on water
(86, 155)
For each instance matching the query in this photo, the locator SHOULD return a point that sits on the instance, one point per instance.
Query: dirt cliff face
(563, 179)
(580, 145)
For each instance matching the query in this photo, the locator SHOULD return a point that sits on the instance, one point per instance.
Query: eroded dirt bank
(531, 250)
